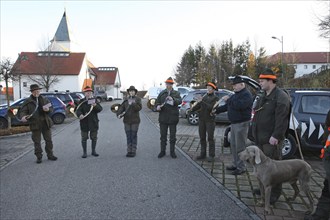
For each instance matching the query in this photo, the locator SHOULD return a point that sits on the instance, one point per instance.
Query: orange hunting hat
(212, 84)
(169, 80)
(268, 74)
(88, 89)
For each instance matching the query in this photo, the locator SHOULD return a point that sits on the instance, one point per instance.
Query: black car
(309, 108)
(76, 96)
(192, 117)
(63, 96)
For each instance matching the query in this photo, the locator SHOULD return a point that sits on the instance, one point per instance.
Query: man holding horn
(167, 105)
(87, 111)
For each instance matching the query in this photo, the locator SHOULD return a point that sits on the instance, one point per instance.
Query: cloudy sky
(146, 39)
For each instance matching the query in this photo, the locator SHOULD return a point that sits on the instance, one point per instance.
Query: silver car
(193, 116)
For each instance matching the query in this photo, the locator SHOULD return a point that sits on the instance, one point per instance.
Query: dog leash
(296, 136)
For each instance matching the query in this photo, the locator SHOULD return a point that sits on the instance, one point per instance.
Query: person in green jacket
(271, 121)
(130, 109)
(87, 111)
(206, 123)
(167, 105)
(35, 110)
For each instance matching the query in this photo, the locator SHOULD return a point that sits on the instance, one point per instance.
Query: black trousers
(163, 136)
(207, 127)
(36, 138)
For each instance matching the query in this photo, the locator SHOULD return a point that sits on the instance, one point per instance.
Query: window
(314, 66)
(24, 84)
(305, 66)
(315, 104)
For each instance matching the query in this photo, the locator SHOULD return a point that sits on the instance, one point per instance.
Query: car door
(311, 114)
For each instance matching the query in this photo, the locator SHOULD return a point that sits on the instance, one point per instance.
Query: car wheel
(3, 123)
(110, 99)
(58, 118)
(226, 139)
(98, 99)
(193, 118)
(289, 147)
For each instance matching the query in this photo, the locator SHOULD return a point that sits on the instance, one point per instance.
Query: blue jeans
(131, 135)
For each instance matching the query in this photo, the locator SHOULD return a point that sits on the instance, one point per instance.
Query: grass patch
(14, 130)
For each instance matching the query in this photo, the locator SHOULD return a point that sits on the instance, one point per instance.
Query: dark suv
(192, 117)
(309, 108)
(63, 96)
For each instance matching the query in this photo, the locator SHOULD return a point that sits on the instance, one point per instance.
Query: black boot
(84, 146)
(93, 149)
(202, 156)
(162, 151)
(172, 150)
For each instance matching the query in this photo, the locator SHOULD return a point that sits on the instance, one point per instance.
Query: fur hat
(34, 87)
(169, 80)
(132, 88)
(87, 89)
(212, 84)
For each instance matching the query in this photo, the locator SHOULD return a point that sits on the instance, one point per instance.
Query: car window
(315, 104)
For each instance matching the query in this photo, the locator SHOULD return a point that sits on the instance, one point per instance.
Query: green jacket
(169, 114)
(132, 115)
(205, 107)
(271, 117)
(39, 116)
(91, 122)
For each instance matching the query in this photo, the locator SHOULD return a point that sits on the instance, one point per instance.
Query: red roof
(57, 63)
(105, 75)
(301, 57)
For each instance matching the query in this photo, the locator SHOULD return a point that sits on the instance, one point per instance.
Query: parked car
(76, 96)
(183, 90)
(63, 96)
(110, 98)
(58, 115)
(193, 116)
(309, 108)
(100, 95)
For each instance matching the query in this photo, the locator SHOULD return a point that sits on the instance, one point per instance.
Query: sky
(146, 39)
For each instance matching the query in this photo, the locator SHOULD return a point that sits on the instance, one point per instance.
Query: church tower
(63, 40)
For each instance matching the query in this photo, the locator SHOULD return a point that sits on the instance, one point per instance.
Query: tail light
(183, 103)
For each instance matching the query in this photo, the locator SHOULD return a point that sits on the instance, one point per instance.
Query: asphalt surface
(112, 186)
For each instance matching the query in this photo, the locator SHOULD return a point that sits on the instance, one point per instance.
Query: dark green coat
(132, 115)
(205, 107)
(271, 117)
(169, 114)
(91, 122)
(40, 116)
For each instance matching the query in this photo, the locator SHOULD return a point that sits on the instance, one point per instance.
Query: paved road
(113, 186)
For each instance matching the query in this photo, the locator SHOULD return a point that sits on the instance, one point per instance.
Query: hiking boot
(161, 154)
(39, 160)
(256, 192)
(238, 172)
(95, 154)
(53, 158)
(231, 168)
(201, 157)
(173, 155)
(84, 155)
(129, 154)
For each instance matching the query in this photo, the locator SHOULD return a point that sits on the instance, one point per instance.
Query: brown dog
(272, 172)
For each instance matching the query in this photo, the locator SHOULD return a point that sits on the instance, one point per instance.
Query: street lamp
(281, 41)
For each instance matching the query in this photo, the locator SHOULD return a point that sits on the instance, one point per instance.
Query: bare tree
(6, 73)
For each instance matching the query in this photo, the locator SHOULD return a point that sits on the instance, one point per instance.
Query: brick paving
(241, 186)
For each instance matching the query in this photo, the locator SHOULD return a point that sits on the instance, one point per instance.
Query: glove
(158, 108)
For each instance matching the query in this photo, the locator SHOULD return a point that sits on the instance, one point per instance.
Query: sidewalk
(242, 185)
